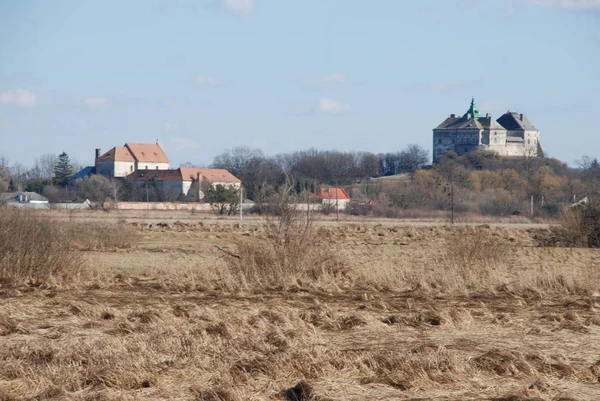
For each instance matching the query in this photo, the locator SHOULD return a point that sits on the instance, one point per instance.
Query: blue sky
(283, 75)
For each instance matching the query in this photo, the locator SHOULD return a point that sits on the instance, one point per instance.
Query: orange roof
(117, 154)
(147, 152)
(331, 193)
(210, 174)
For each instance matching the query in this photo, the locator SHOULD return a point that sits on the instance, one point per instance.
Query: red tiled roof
(210, 174)
(331, 193)
(156, 175)
(147, 152)
(116, 154)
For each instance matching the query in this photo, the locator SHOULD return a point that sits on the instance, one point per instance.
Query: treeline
(309, 168)
(483, 183)
(479, 182)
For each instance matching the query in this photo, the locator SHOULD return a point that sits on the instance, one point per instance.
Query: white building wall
(151, 166)
(236, 185)
(114, 169)
(123, 169)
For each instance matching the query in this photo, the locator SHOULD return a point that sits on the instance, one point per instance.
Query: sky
(204, 76)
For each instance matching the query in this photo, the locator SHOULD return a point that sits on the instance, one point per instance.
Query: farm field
(399, 310)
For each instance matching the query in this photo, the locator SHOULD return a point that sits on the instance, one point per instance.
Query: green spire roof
(473, 110)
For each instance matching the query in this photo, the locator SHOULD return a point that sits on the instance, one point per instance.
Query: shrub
(33, 248)
(290, 252)
(579, 226)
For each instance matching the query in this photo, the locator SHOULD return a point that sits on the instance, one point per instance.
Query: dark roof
(84, 172)
(469, 123)
(156, 175)
(512, 122)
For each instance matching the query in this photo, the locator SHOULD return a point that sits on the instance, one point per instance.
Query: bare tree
(45, 165)
(413, 158)
(96, 188)
(233, 160)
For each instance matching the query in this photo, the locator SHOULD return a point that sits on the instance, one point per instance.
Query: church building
(510, 135)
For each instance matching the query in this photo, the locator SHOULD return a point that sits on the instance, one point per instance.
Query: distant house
(213, 176)
(30, 200)
(121, 161)
(185, 180)
(336, 198)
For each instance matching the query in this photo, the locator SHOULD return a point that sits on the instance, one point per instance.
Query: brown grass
(33, 249)
(419, 313)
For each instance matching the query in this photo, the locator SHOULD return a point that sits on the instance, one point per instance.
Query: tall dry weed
(579, 227)
(34, 249)
(290, 252)
(99, 235)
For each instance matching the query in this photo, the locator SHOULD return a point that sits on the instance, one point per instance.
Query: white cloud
(568, 4)
(19, 97)
(180, 143)
(330, 106)
(170, 127)
(96, 102)
(239, 6)
(336, 77)
(207, 81)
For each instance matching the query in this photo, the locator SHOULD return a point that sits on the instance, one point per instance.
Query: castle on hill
(510, 135)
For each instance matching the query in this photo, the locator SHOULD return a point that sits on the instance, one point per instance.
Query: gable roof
(147, 152)
(512, 121)
(331, 193)
(463, 122)
(210, 174)
(116, 154)
(156, 175)
(84, 172)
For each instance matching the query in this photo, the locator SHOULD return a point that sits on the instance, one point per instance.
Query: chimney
(452, 115)
(468, 116)
(521, 116)
(97, 153)
(488, 116)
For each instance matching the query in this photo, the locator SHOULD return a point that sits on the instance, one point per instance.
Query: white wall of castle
(464, 141)
(114, 169)
(151, 166)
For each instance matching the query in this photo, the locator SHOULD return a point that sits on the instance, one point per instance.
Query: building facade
(121, 161)
(185, 181)
(510, 135)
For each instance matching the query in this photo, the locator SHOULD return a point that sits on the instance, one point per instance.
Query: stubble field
(396, 312)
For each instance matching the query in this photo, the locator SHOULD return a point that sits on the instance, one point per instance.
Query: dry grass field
(190, 307)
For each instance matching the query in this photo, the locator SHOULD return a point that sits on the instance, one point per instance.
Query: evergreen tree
(63, 170)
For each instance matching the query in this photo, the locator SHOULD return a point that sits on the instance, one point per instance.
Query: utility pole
(531, 207)
(451, 201)
(147, 203)
(337, 204)
(241, 204)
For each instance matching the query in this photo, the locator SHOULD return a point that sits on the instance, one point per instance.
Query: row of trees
(46, 170)
(315, 167)
(485, 183)
(478, 181)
